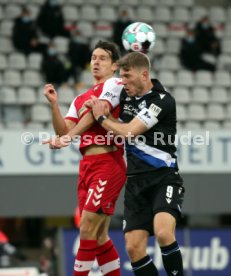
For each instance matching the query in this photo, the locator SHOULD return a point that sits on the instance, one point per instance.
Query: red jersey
(96, 135)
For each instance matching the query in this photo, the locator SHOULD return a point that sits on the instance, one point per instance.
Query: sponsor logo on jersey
(131, 110)
(110, 95)
(155, 109)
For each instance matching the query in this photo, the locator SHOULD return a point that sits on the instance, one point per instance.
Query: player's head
(104, 60)
(135, 73)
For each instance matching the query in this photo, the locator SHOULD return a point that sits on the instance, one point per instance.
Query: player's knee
(87, 231)
(135, 250)
(164, 236)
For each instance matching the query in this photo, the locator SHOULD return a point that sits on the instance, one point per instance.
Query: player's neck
(101, 80)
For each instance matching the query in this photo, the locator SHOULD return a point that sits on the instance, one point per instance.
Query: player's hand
(58, 142)
(99, 107)
(88, 103)
(50, 93)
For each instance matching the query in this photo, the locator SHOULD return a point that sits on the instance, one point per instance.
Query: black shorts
(151, 193)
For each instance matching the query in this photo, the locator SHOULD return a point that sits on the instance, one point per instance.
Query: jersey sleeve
(152, 114)
(111, 91)
(72, 113)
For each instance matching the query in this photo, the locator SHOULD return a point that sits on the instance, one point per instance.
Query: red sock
(85, 257)
(108, 259)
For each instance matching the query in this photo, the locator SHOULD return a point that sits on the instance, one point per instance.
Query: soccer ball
(139, 37)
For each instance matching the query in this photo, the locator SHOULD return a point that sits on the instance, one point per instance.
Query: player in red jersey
(102, 172)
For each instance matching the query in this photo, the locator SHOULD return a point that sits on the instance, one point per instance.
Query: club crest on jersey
(96, 88)
(155, 109)
(142, 105)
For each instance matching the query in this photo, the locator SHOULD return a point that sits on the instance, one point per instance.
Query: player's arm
(144, 120)
(60, 125)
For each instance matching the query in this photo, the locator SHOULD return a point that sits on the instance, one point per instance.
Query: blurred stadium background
(38, 186)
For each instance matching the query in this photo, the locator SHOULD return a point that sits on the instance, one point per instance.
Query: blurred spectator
(52, 67)
(79, 54)
(191, 54)
(119, 25)
(206, 37)
(25, 37)
(50, 19)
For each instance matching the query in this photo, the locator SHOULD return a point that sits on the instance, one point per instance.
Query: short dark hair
(110, 47)
(134, 60)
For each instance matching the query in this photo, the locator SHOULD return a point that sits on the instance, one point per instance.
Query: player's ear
(145, 75)
(114, 66)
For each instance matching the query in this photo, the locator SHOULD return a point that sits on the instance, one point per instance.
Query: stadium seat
(159, 47)
(3, 62)
(41, 99)
(34, 61)
(173, 46)
(86, 28)
(12, 11)
(19, 2)
(1, 13)
(31, 78)
(222, 78)
(191, 125)
(63, 109)
(211, 125)
(151, 3)
(177, 30)
(170, 62)
(181, 112)
(197, 13)
(185, 3)
(200, 95)
(89, 13)
(6, 27)
(107, 13)
(14, 125)
(34, 9)
(76, 2)
(217, 14)
(34, 125)
(8, 95)
(61, 44)
(226, 46)
(203, 78)
(103, 29)
(182, 95)
(70, 13)
(167, 78)
(130, 2)
(219, 95)
(40, 113)
(66, 95)
(94, 2)
(196, 112)
(5, 45)
(215, 112)
(12, 78)
(38, 2)
(144, 12)
(160, 29)
(162, 14)
(228, 112)
(226, 124)
(224, 61)
(168, 3)
(1, 80)
(26, 96)
(3, 2)
(17, 61)
(181, 14)
(87, 78)
(13, 113)
(185, 78)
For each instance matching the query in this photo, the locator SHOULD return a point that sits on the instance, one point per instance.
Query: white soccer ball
(139, 37)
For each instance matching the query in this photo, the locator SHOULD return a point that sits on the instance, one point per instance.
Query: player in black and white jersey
(154, 191)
